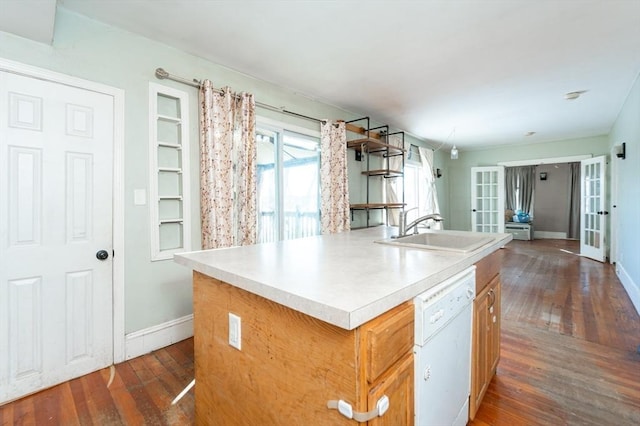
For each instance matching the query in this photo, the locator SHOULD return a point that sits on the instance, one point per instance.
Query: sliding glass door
(288, 184)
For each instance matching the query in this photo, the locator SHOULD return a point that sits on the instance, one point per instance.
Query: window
(414, 187)
(288, 182)
(169, 171)
(418, 192)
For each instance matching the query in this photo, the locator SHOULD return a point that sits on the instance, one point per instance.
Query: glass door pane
(593, 208)
(300, 185)
(487, 199)
(288, 185)
(268, 222)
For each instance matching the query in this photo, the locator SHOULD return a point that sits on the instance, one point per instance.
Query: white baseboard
(542, 235)
(633, 289)
(149, 339)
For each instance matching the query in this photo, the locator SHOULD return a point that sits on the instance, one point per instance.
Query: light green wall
(459, 171)
(627, 173)
(155, 292)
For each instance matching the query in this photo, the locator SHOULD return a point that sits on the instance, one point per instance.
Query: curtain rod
(162, 74)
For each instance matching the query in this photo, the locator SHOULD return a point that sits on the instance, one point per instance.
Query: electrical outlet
(235, 331)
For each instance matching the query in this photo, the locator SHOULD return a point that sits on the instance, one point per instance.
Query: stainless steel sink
(441, 240)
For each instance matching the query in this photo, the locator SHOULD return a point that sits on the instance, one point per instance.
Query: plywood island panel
(290, 364)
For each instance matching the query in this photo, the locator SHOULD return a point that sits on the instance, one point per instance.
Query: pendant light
(454, 150)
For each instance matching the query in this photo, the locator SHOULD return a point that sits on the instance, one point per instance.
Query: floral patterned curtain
(227, 168)
(334, 187)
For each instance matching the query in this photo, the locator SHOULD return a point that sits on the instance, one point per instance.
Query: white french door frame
(593, 218)
(492, 204)
(118, 182)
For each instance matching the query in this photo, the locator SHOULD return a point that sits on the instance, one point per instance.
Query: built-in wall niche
(169, 166)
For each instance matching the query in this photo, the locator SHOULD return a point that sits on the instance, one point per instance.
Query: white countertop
(344, 279)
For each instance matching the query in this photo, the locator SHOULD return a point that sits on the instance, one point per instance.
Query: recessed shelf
(169, 171)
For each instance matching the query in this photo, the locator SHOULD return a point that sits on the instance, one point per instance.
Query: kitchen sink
(441, 240)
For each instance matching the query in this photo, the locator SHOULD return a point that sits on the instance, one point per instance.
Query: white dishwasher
(442, 351)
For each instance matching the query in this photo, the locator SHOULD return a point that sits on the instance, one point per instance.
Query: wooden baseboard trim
(143, 341)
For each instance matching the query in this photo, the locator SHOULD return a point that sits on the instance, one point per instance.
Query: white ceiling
(469, 72)
(32, 19)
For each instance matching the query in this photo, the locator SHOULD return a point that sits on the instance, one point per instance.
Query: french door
(56, 233)
(593, 208)
(487, 199)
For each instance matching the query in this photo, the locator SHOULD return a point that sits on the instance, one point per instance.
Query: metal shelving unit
(376, 144)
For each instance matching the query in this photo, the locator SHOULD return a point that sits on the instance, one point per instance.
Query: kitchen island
(322, 319)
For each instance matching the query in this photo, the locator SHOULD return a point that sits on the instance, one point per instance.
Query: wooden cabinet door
(493, 328)
(479, 355)
(486, 342)
(397, 384)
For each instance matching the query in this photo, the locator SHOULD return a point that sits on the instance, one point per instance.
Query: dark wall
(551, 205)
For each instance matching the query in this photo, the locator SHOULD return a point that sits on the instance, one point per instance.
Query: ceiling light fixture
(574, 95)
(454, 153)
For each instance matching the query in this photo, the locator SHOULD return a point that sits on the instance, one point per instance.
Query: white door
(593, 209)
(56, 158)
(487, 199)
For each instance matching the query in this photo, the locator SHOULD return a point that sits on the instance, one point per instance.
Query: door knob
(102, 255)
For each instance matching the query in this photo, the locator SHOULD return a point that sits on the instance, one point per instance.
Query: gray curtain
(519, 183)
(574, 202)
(510, 188)
(527, 178)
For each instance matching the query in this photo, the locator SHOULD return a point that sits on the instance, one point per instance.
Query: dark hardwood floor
(568, 357)
(140, 394)
(568, 343)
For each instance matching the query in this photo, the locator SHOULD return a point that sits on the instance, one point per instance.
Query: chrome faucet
(403, 228)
